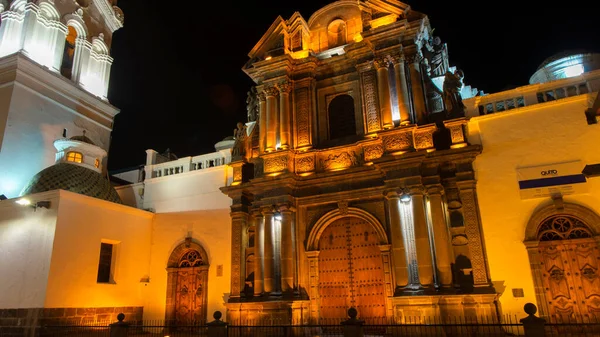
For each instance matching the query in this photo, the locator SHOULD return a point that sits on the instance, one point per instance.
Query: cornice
(111, 20)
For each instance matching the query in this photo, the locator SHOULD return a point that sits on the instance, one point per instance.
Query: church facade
(367, 175)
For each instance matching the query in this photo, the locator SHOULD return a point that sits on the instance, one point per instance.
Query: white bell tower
(54, 74)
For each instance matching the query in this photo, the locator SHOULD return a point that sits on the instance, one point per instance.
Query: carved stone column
(262, 121)
(238, 223)
(284, 114)
(402, 89)
(368, 83)
(272, 118)
(287, 249)
(383, 89)
(468, 197)
(424, 257)
(313, 286)
(417, 88)
(269, 250)
(441, 238)
(259, 244)
(398, 249)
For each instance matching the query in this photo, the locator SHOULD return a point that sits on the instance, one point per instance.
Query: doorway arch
(563, 244)
(187, 285)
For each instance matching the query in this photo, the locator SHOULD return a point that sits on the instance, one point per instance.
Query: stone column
(402, 89)
(397, 236)
(262, 121)
(284, 114)
(441, 238)
(468, 197)
(383, 90)
(287, 249)
(259, 247)
(238, 223)
(422, 243)
(269, 262)
(272, 118)
(417, 88)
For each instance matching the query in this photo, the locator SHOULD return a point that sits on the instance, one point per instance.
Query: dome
(72, 178)
(561, 55)
(566, 64)
(83, 139)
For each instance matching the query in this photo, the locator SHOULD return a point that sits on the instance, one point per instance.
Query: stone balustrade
(188, 164)
(533, 94)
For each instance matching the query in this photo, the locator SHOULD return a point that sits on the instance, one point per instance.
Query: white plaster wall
(131, 195)
(189, 191)
(547, 133)
(33, 123)
(212, 230)
(83, 223)
(26, 238)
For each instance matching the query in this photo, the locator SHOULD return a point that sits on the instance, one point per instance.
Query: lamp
(405, 198)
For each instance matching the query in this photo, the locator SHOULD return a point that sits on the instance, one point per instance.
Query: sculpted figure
(239, 144)
(452, 97)
(252, 104)
(437, 58)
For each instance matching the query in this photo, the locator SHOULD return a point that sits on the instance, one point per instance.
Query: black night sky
(177, 74)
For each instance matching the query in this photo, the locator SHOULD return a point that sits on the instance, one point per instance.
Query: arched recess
(18, 6)
(75, 47)
(563, 245)
(342, 118)
(336, 33)
(48, 11)
(187, 284)
(348, 259)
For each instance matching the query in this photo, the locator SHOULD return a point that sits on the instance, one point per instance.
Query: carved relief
(460, 240)
(397, 142)
(457, 135)
(302, 117)
(276, 164)
(339, 161)
(370, 99)
(236, 258)
(373, 152)
(343, 207)
(305, 164)
(271, 91)
(284, 87)
(237, 173)
(474, 236)
(424, 139)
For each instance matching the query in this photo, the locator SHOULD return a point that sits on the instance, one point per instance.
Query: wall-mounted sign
(552, 179)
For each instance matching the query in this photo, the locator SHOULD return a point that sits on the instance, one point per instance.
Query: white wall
(83, 223)
(26, 239)
(547, 133)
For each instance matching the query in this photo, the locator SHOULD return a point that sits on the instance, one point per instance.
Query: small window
(75, 157)
(97, 163)
(105, 263)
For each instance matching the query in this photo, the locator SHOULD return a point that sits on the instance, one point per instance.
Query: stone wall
(67, 316)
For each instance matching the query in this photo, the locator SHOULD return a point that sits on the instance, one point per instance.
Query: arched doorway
(564, 252)
(187, 282)
(351, 270)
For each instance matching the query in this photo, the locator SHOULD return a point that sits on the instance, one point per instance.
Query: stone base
(294, 312)
(442, 308)
(67, 316)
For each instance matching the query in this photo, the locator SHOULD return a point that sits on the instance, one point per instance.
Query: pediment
(273, 39)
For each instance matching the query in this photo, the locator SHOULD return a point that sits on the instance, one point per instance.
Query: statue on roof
(435, 53)
(252, 104)
(451, 92)
(239, 144)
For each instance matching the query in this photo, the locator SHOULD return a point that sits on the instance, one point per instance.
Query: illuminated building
(355, 186)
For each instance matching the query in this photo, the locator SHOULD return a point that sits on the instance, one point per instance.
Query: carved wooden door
(190, 307)
(351, 271)
(570, 278)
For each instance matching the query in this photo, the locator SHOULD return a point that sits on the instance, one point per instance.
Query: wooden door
(351, 271)
(190, 306)
(571, 279)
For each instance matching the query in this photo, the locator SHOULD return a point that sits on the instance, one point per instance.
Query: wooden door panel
(189, 302)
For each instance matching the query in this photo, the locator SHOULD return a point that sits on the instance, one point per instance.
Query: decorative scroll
(373, 152)
(370, 99)
(305, 164)
(397, 142)
(339, 161)
(276, 164)
(302, 117)
(474, 236)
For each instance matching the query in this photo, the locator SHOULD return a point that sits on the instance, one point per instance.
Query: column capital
(436, 189)
(267, 210)
(284, 87)
(262, 96)
(391, 194)
(380, 62)
(466, 185)
(416, 190)
(286, 208)
(256, 213)
(397, 59)
(271, 91)
(414, 58)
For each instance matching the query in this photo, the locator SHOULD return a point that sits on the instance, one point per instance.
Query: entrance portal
(187, 286)
(351, 271)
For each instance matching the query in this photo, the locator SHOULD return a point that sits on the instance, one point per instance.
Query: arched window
(66, 68)
(74, 157)
(190, 259)
(563, 227)
(336, 33)
(342, 121)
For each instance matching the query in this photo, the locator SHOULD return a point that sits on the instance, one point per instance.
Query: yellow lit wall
(83, 223)
(547, 133)
(212, 230)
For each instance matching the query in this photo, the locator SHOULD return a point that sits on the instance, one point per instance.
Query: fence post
(353, 327)
(120, 328)
(533, 325)
(217, 328)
